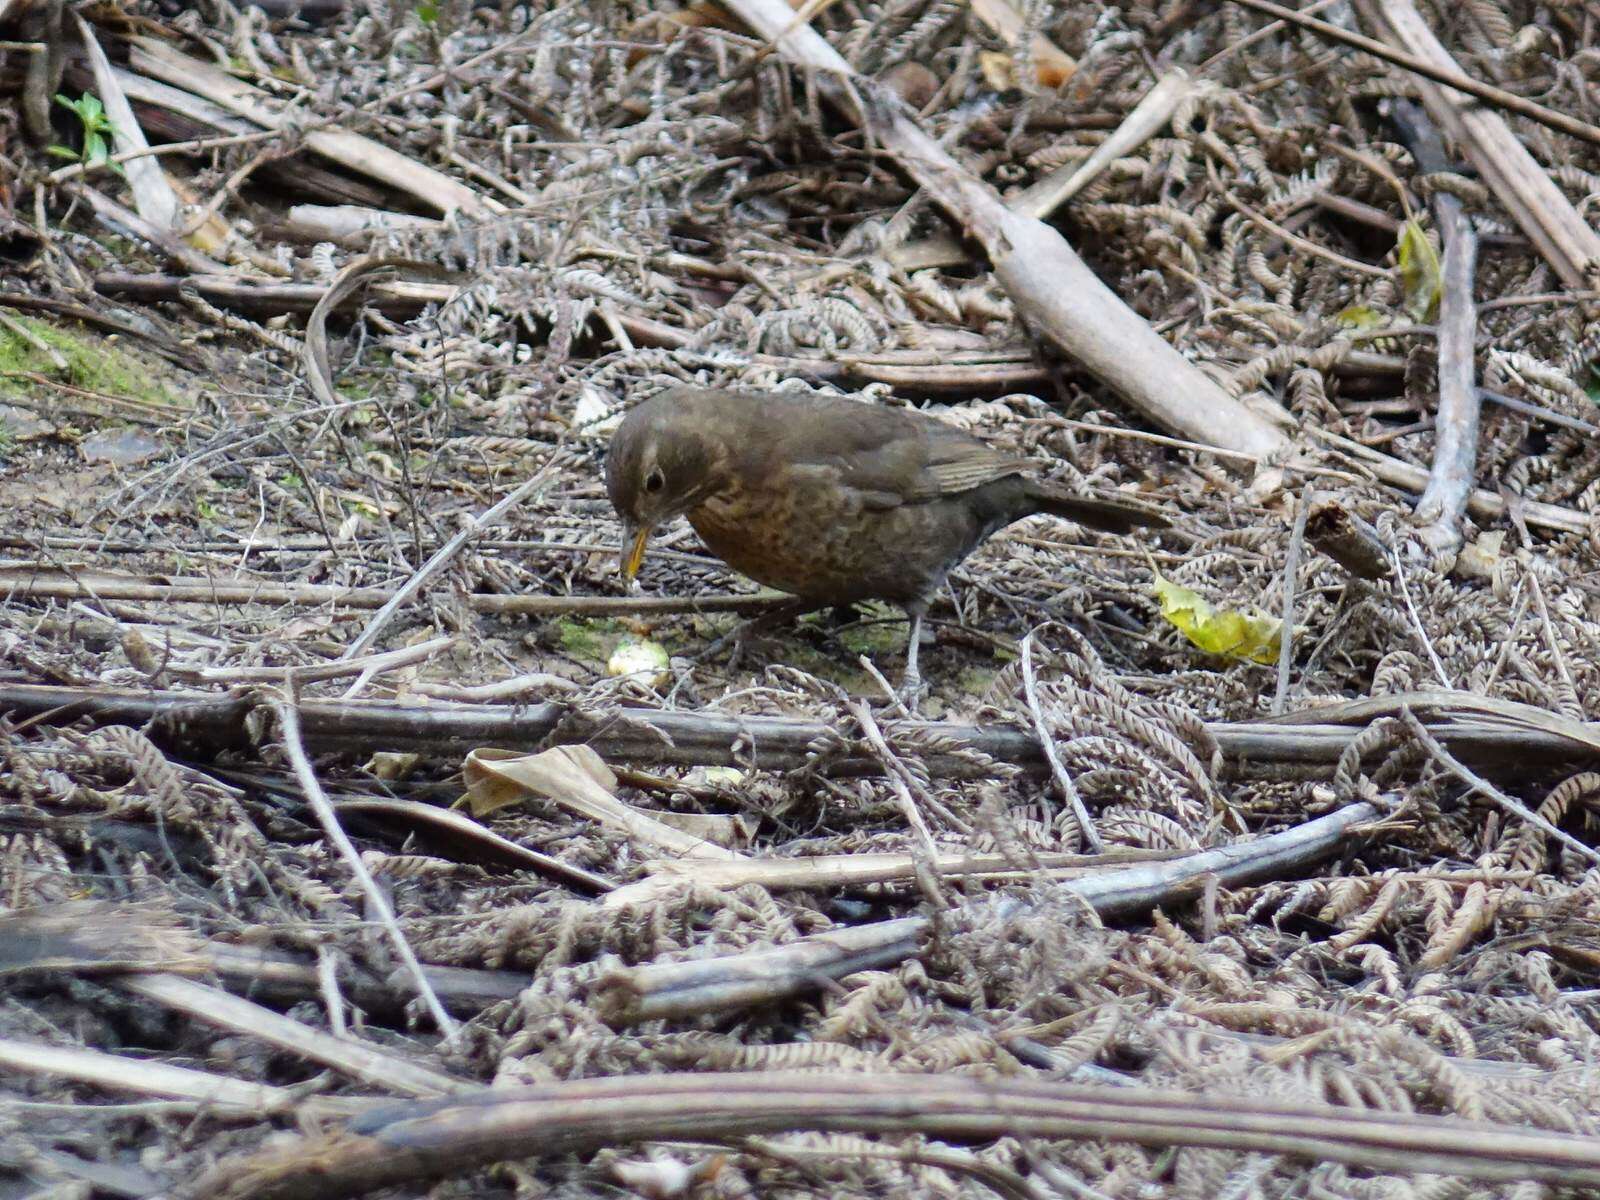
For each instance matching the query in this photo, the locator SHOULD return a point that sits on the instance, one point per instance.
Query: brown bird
(828, 498)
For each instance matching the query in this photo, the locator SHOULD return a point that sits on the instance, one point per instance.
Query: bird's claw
(913, 690)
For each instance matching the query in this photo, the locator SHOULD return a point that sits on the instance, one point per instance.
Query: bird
(831, 499)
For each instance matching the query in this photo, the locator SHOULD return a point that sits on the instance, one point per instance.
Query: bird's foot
(913, 691)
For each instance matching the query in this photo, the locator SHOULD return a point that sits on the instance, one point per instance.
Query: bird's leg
(911, 686)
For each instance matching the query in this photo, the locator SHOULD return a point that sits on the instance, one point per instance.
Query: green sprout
(97, 132)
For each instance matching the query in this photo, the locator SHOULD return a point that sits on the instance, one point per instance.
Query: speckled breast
(821, 542)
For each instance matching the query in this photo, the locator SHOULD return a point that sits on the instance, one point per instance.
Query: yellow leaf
(1420, 273)
(1359, 317)
(1254, 636)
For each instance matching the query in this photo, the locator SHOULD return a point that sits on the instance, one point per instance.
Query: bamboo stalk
(27, 583)
(1488, 732)
(410, 1144)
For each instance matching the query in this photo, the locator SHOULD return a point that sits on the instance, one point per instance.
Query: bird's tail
(1095, 512)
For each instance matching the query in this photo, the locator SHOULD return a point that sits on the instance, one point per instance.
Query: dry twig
(288, 718)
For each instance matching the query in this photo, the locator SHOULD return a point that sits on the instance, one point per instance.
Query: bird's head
(664, 459)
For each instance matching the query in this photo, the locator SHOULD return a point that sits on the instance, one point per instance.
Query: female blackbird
(828, 498)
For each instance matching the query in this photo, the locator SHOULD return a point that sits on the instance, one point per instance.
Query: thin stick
(1455, 450)
(370, 1064)
(328, 985)
(1462, 82)
(1356, 266)
(1244, 43)
(193, 146)
(372, 664)
(901, 779)
(446, 552)
(1536, 411)
(1550, 640)
(216, 1092)
(1291, 579)
(500, 689)
(1141, 435)
(42, 582)
(1416, 619)
(1580, 297)
(1484, 788)
(897, 705)
(1058, 770)
(288, 715)
(925, 863)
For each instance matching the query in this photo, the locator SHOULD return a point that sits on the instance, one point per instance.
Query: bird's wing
(892, 457)
(959, 463)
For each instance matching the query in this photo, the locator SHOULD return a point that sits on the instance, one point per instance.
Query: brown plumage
(828, 498)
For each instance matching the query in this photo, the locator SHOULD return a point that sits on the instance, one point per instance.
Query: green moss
(787, 644)
(581, 637)
(355, 386)
(876, 637)
(93, 363)
(878, 629)
(975, 681)
(822, 661)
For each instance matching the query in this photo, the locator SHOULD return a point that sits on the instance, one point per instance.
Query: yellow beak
(634, 541)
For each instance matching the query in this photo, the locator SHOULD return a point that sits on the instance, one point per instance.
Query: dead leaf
(735, 830)
(125, 446)
(577, 779)
(457, 837)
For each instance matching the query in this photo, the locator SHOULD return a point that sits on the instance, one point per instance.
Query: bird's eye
(655, 481)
